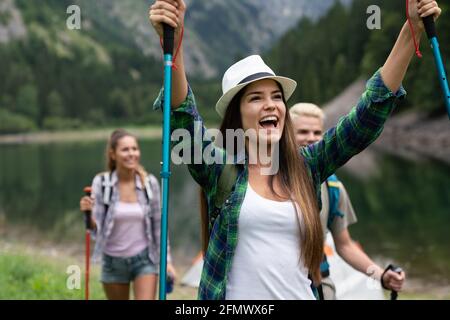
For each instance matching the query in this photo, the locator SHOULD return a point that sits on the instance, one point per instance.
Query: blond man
(337, 211)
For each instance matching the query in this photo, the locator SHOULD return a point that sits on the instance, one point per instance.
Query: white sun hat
(246, 71)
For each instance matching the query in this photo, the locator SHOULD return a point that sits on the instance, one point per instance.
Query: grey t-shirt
(345, 206)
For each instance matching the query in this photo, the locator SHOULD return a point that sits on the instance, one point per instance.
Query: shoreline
(43, 137)
(408, 134)
(151, 132)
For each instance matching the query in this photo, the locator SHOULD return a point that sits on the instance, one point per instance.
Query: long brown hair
(111, 147)
(295, 181)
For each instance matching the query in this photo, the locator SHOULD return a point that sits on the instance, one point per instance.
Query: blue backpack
(333, 196)
(333, 212)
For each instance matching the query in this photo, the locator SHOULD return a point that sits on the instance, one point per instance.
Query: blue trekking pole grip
(165, 172)
(430, 29)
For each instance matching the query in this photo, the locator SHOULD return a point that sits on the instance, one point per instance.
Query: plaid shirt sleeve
(354, 132)
(187, 125)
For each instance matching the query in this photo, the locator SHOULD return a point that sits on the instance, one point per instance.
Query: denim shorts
(125, 270)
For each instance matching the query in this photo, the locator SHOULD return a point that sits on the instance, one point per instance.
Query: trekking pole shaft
(165, 173)
(88, 250)
(430, 29)
(394, 295)
(87, 220)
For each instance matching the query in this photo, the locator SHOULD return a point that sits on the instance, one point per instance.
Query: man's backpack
(333, 195)
(333, 212)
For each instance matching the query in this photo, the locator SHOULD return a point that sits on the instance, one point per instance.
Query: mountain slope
(326, 55)
(109, 71)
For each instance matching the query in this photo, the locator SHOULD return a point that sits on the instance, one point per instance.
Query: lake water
(402, 208)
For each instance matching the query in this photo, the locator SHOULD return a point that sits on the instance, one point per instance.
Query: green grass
(25, 277)
(31, 276)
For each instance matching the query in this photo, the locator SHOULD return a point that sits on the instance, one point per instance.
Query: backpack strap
(106, 188)
(148, 194)
(227, 180)
(325, 267)
(148, 190)
(333, 184)
(225, 185)
(317, 291)
(333, 194)
(107, 194)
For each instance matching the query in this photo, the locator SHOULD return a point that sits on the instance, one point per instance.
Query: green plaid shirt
(353, 133)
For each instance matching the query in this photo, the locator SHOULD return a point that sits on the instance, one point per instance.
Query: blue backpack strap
(317, 291)
(324, 267)
(333, 195)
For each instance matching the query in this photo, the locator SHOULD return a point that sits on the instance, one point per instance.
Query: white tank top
(266, 263)
(127, 237)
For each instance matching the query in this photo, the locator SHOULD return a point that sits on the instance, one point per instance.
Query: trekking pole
(394, 294)
(87, 221)
(165, 173)
(430, 28)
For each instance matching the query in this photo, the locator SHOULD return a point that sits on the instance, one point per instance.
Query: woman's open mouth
(269, 122)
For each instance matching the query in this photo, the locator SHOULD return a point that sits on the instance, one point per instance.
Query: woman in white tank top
(259, 245)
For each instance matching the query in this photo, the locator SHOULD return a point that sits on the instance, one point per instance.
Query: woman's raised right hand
(170, 12)
(86, 204)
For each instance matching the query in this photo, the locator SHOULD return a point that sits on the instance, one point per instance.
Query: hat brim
(288, 85)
